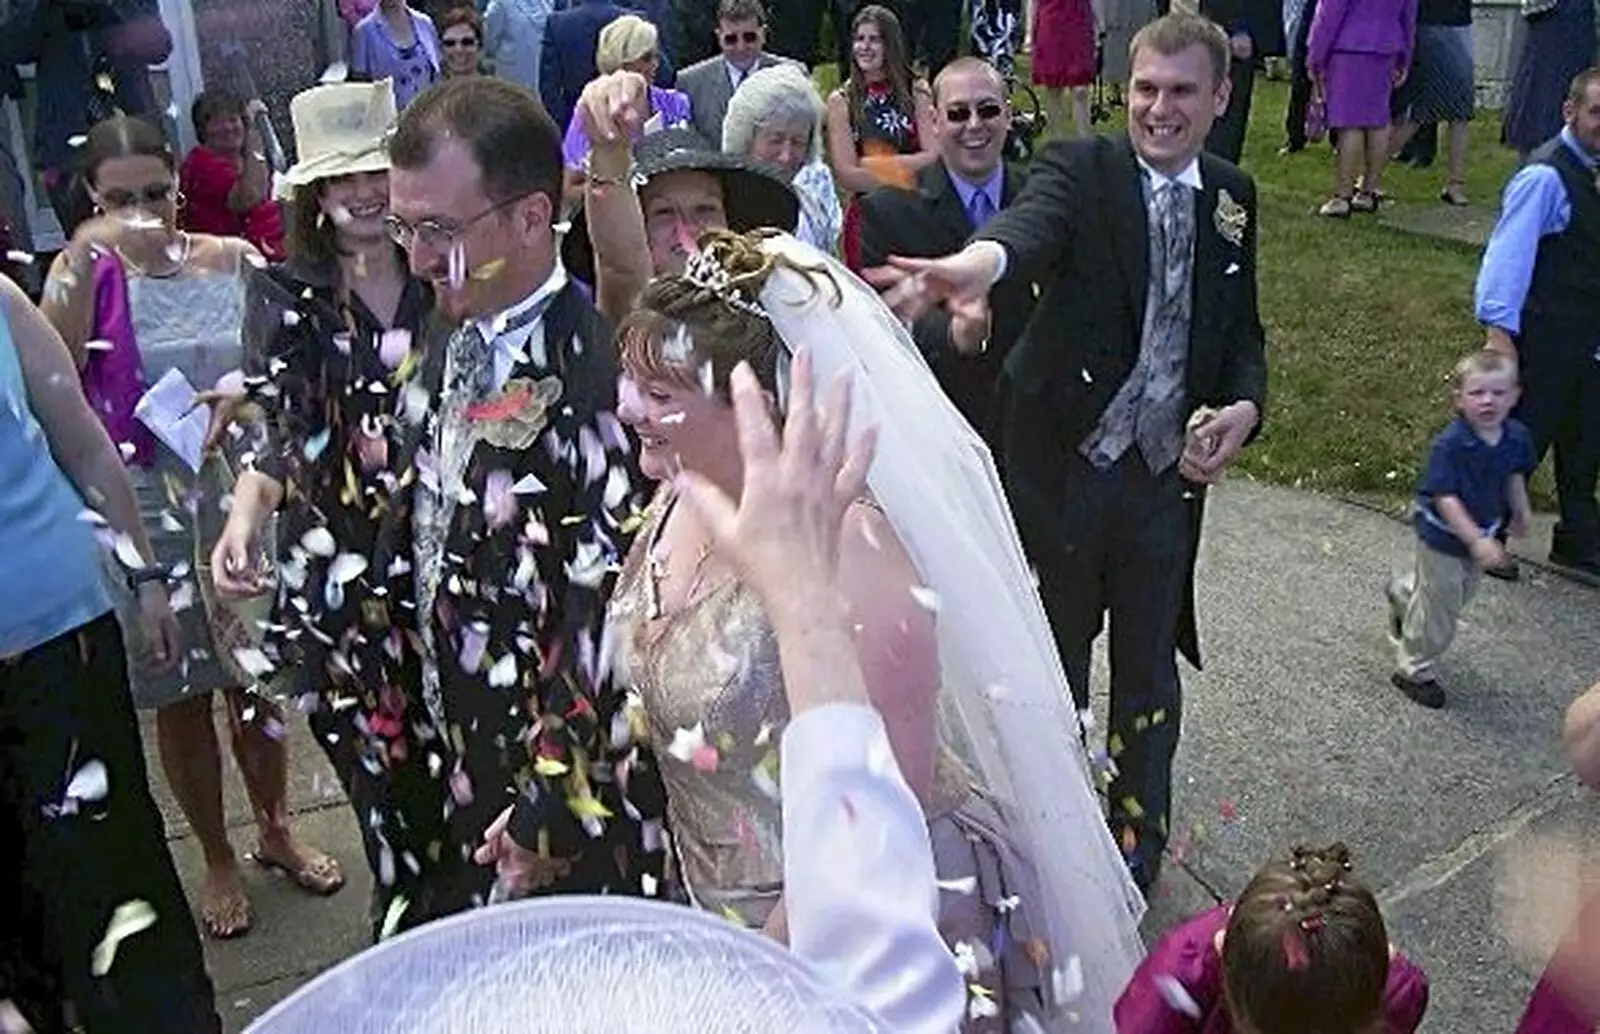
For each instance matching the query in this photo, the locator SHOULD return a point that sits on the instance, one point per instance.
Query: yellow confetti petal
(1132, 808)
(391, 918)
(589, 808)
(129, 918)
(550, 767)
(1114, 744)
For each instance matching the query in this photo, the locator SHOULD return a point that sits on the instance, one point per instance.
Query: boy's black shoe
(1426, 692)
(1506, 572)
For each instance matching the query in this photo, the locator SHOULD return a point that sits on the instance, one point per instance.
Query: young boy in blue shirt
(1475, 484)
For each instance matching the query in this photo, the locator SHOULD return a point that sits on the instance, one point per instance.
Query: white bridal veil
(1004, 700)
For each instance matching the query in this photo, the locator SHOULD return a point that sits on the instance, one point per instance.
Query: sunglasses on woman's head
(731, 39)
(987, 111)
(151, 195)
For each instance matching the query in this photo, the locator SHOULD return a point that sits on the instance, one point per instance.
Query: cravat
(1158, 428)
(980, 209)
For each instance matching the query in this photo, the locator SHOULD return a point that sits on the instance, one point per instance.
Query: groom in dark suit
(952, 199)
(516, 513)
(1139, 379)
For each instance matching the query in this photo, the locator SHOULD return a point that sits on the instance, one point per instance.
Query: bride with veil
(1034, 898)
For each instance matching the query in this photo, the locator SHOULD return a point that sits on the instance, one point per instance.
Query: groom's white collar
(1189, 175)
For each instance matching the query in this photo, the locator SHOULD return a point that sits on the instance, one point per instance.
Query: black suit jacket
(533, 587)
(1078, 229)
(927, 222)
(1262, 19)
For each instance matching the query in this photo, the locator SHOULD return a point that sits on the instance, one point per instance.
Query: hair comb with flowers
(704, 271)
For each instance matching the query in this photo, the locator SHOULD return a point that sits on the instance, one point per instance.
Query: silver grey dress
(193, 322)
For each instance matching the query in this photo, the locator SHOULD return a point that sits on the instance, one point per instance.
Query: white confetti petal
(504, 673)
(686, 741)
(1177, 996)
(319, 542)
(253, 661)
(129, 918)
(346, 568)
(925, 597)
(89, 783)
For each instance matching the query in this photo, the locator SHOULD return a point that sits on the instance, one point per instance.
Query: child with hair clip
(1303, 950)
(1567, 998)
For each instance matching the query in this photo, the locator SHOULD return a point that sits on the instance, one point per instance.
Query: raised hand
(960, 283)
(614, 108)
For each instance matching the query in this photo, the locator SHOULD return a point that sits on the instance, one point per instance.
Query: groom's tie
(1158, 427)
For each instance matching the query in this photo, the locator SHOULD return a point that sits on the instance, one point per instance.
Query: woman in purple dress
(628, 44)
(1359, 51)
(1304, 948)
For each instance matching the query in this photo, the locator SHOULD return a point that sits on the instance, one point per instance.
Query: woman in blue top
(83, 853)
(399, 43)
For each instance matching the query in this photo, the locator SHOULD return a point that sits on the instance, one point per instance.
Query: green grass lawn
(1364, 322)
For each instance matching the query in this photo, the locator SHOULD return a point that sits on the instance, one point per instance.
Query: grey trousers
(1427, 599)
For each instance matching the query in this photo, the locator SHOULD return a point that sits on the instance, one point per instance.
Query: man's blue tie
(980, 209)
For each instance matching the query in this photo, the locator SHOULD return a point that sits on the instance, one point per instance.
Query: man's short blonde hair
(1172, 34)
(624, 39)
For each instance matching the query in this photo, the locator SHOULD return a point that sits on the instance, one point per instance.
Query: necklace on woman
(657, 571)
(183, 246)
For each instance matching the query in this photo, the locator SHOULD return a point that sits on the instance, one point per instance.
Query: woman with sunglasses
(461, 36)
(134, 297)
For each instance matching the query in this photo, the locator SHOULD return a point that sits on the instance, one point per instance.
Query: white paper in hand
(169, 411)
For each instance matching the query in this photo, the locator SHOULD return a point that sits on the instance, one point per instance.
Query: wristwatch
(141, 576)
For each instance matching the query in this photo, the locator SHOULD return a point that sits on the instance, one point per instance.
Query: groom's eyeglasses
(988, 111)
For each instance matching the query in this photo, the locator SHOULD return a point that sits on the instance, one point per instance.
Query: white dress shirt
(858, 874)
(523, 343)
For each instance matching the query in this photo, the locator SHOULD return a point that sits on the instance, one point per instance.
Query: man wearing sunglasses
(742, 35)
(952, 199)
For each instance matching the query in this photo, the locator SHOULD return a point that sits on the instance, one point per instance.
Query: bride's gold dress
(709, 674)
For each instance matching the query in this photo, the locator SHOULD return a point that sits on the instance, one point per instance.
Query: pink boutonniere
(513, 418)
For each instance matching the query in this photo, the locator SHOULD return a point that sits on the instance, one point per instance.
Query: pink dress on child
(1178, 987)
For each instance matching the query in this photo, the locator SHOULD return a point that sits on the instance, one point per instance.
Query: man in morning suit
(516, 514)
(1147, 325)
(741, 35)
(952, 199)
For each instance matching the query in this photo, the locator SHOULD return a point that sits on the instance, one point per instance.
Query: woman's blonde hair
(782, 95)
(624, 39)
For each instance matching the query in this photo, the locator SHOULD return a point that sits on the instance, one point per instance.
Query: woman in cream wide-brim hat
(328, 328)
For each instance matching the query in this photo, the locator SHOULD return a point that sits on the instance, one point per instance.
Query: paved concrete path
(1292, 731)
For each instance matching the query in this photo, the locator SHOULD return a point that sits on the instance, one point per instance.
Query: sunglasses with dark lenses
(732, 39)
(987, 111)
(454, 42)
(152, 195)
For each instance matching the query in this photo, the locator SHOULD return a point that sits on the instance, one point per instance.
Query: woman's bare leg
(192, 760)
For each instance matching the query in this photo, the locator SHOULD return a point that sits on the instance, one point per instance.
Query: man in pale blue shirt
(514, 34)
(1535, 296)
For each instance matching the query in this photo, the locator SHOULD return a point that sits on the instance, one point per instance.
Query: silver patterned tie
(1158, 427)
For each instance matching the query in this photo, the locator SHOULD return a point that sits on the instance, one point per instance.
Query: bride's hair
(693, 328)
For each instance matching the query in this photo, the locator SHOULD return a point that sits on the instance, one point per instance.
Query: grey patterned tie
(1158, 427)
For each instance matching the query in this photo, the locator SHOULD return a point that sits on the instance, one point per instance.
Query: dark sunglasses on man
(987, 111)
(733, 39)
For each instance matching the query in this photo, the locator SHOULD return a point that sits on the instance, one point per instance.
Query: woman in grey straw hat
(140, 302)
(644, 205)
(329, 335)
